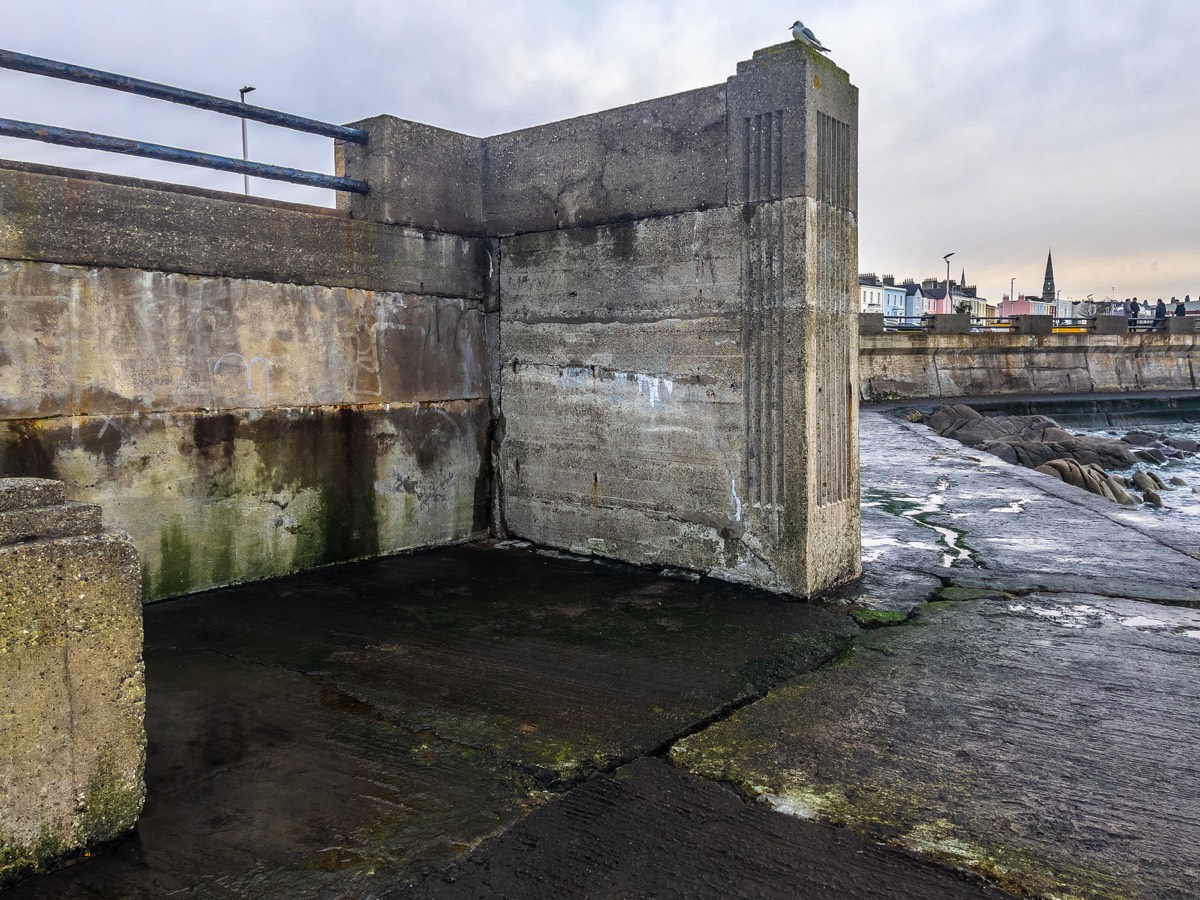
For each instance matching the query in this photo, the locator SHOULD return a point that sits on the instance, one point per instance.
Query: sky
(996, 129)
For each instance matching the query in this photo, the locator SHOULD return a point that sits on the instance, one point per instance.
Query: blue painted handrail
(36, 65)
(86, 139)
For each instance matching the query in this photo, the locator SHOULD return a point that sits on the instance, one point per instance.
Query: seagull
(805, 36)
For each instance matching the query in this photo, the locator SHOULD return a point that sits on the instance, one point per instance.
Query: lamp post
(1012, 298)
(949, 306)
(245, 147)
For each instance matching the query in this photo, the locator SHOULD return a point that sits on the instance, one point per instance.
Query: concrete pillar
(1181, 324)
(948, 323)
(1032, 324)
(1110, 325)
(72, 694)
(870, 323)
(793, 167)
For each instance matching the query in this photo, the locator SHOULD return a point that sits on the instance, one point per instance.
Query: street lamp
(949, 307)
(1012, 298)
(245, 147)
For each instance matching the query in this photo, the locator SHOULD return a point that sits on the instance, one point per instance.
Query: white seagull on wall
(805, 36)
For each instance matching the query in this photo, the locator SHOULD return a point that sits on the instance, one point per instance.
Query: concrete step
(64, 519)
(30, 493)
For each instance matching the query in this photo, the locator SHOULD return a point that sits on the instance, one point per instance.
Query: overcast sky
(992, 128)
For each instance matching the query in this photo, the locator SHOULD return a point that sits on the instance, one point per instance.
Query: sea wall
(910, 365)
(247, 388)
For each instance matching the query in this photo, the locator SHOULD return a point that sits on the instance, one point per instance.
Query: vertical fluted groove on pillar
(833, 439)
(763, 292)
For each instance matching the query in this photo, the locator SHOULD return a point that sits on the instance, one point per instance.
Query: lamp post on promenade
(245, 147)
(949, 305)
(1012, 298)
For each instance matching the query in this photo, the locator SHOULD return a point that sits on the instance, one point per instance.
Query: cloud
(995, 128)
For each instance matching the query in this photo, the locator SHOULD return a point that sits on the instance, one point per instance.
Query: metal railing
(69, 137)
(1077, 325)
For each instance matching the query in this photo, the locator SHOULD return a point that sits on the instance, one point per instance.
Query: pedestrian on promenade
(1131, 312)
(1160, 315)
(1181, 306)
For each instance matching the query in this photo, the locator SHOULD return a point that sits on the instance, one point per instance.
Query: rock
(1159, 484)
(1150, 454)
(1139, 438)
(914, 415)
(1187, 445)
(1142, 481)
(1152, 497)
(1178, 482)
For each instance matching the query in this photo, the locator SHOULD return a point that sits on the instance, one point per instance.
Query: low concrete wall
(72, 691)
(238, 427)
(914, 364)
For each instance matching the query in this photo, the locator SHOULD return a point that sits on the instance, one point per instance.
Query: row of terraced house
(911, 300)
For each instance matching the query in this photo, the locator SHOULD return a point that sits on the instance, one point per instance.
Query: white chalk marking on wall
(248, 366)
(737, 501)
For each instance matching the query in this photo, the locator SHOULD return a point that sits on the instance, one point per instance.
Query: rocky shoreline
(1087, 462)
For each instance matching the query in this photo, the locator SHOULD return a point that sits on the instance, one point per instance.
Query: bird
(805, 36)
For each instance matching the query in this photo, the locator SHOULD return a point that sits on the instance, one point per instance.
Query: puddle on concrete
(1081, 615)
(950, 540)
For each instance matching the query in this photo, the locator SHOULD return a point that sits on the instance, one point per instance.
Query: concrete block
(1110, 325)
(419, 175)
(72, 696)
(948, 323)
(653, 158)
(1181, 324)
(1032, 324)
(870, 323)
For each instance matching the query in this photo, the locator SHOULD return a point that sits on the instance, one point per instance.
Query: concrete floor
(495, 721)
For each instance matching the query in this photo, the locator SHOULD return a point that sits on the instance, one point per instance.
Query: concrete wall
(252, 388)
(679, 386)
(240, 426)
(914, 364)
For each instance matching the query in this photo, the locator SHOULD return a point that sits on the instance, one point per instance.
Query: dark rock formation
(1038, 443)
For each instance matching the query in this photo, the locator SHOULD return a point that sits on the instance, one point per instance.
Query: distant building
(1047, 304)
(881, 295)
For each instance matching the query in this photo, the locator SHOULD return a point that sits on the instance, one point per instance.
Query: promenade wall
(910, 365)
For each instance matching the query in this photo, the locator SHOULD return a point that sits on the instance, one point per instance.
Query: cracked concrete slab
(331, 734)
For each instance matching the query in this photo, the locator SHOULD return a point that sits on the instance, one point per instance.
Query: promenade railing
(70, 137)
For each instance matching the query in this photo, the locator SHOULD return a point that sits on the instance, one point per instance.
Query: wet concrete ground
(497, 722)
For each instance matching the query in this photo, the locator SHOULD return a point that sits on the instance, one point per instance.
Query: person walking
(1181, 306)
(1160, 315)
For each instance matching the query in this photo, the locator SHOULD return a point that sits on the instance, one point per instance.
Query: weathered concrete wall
(680, 389)
(241, 427)
(914, 364)
(72, 691)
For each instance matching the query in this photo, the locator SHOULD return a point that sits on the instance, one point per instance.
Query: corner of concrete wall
(680, 378)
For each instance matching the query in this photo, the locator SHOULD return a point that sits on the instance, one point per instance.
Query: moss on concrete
(876, 618)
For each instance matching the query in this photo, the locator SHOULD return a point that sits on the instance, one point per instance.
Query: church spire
(1048, 291)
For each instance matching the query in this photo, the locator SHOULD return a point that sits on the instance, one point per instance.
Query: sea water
(1182, 502)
